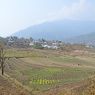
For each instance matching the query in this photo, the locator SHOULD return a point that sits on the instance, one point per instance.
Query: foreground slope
(8, 87)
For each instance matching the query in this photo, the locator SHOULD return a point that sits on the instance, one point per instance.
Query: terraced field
(41, 71)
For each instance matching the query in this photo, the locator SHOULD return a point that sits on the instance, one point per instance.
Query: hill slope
(7, 87)
(87, 39)
(57, 30)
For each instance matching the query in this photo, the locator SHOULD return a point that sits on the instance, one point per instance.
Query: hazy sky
(19, 14)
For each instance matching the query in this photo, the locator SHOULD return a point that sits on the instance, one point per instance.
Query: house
(31, 43)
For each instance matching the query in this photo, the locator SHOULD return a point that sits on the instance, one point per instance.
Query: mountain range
(65, 30)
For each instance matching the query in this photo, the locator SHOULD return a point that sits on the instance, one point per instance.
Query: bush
(38, 46)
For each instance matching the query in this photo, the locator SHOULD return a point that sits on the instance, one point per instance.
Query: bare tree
(2, 59)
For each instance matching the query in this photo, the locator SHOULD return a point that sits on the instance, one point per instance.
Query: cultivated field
(50, 72)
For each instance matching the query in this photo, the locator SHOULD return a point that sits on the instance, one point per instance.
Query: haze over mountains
(66, 30)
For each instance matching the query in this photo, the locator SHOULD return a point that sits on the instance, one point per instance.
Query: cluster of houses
(43, 44)
(47, 44)
(22, 42)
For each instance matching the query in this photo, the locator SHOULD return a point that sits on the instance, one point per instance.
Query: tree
(2, 59)
(31, 39)
(38, 46)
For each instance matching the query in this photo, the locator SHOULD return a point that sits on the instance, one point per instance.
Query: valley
(47, 71)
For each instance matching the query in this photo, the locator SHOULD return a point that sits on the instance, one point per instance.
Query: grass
(69, 59)
(37, 73)
(22, 53)
(49, 77)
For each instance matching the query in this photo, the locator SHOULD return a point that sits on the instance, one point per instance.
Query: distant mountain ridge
(58, 30)
(86, 39)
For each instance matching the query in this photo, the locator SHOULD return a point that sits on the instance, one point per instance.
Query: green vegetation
(22, 53)
(42, 70)
(38, 46)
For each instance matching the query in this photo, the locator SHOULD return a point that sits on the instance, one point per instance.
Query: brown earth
(9, 88)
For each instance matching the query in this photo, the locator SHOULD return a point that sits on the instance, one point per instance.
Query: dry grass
(42, 63)
(9, 87)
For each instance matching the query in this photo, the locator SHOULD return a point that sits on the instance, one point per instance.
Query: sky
(16, 15)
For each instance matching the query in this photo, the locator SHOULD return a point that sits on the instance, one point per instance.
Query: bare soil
(8, 88)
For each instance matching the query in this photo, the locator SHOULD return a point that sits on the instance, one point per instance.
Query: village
(40, 43)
